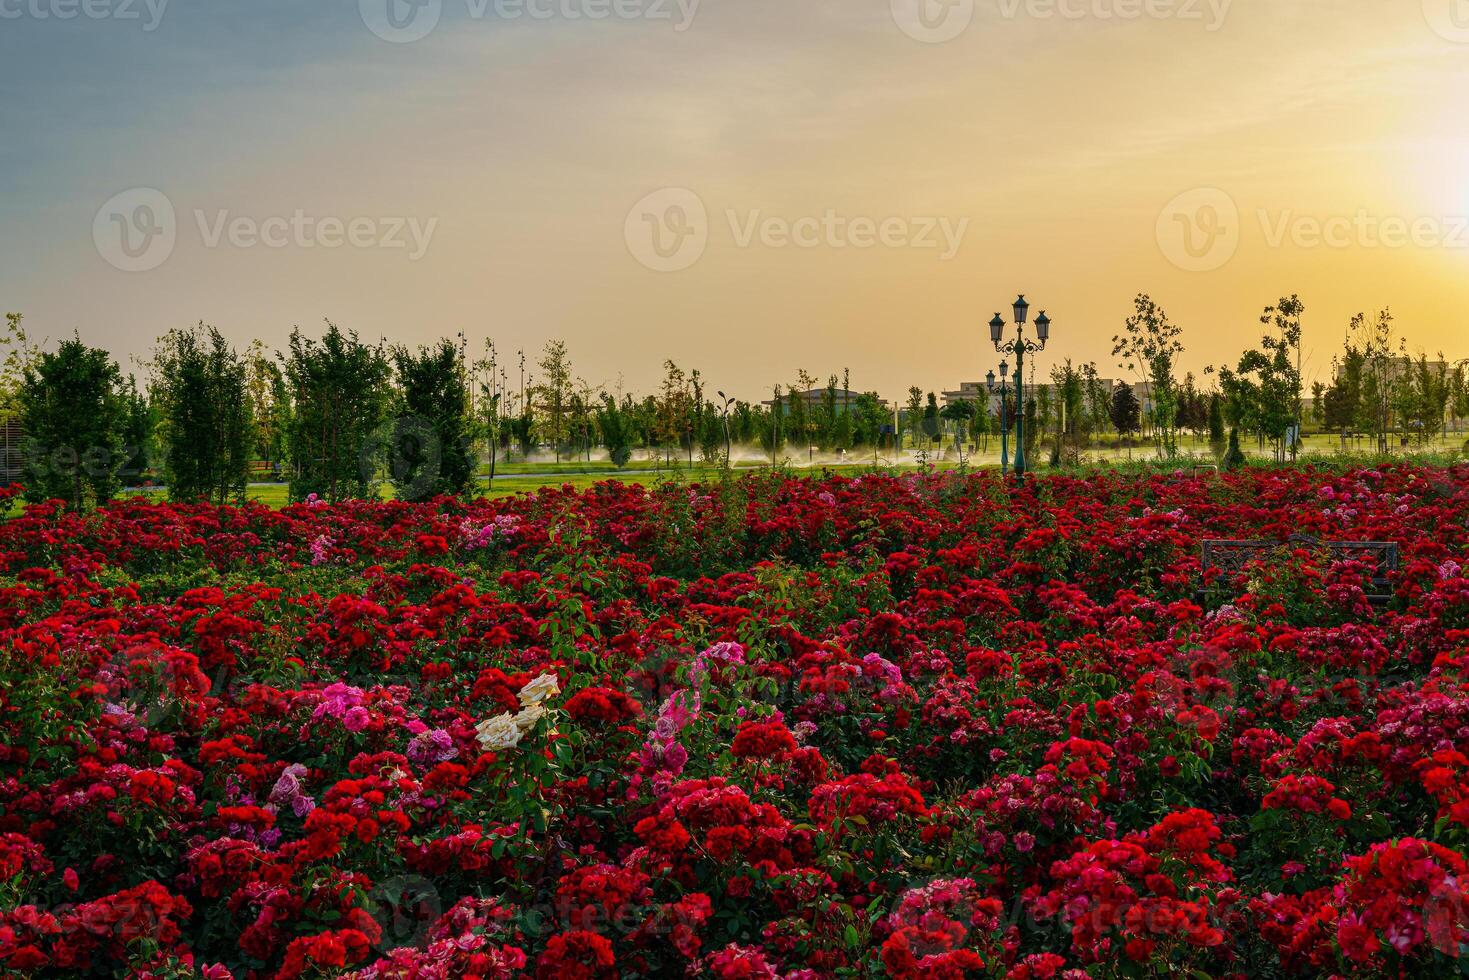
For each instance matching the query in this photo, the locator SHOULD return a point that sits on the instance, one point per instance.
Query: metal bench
(1232, 557)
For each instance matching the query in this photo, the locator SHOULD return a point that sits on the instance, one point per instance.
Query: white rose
(528, 717)
(498, 733)
(539, 689)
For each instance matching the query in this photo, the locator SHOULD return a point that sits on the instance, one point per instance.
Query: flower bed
(924, 726)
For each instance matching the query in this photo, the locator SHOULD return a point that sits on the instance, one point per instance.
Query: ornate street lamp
(1004, 427)
(1020, 347)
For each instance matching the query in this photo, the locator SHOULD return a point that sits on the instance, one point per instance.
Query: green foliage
(554, 393)
(616, 427)
(138, 426)
(18, 353)
(430, 450)
(1149, 345)
(1125, 412)
(1234, 457)
(1263, 392)
(201, 390)
(339, 391)
(71, 405)
(270, 405)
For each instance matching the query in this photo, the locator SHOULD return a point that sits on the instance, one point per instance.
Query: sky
(747, 187)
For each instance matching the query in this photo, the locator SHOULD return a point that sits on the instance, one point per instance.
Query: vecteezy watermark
(137, 229)
(1449, 19)
(937, 21)
(148, 12)
(1364, 230)
(1210, 13)
(831, 229)
(668, 230)
(404, 21)
(933, 21)
(302, 230)
(1199, 230)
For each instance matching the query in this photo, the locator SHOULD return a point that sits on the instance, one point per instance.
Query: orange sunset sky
(800, 163)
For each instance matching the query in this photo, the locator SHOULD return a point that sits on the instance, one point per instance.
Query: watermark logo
(833, 230)
(668, 230)
(401, 21)
(148, 12)
(933, 21)
(302, 230)
(1210, 13)
(406, 908)
(1199, 230)
(1449, 19)
(1364, 230)
(136, 230)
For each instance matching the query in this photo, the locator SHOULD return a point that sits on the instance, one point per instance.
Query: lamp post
(1020, 347)
(1004, 426)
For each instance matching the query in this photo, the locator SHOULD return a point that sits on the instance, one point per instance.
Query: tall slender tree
(431, 450)
(201, 387)
(71, 406)
(339, 393)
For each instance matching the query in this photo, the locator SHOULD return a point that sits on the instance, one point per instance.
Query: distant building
(1399, 366)
(815, 398)
(970, 391)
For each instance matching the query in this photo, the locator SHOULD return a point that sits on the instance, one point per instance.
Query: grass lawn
(528, 477)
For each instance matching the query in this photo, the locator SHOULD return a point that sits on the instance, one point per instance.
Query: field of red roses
(917, 726)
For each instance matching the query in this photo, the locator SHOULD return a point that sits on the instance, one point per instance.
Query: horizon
(746, 190)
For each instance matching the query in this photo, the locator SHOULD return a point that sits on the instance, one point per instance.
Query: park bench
(1232, 557)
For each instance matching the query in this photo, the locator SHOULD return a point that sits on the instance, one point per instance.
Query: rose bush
(917, 726)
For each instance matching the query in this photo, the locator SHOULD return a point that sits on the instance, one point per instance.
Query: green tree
(431, 450)
(1069, 387)
(931, 426)
(1263, 392)
(869, 419)
(914, 416)
(201, 387)
(554, 393)
(1125, 412)
(1234, 457)
(18, 354)
(1342, 408)
(674, 410)
(138, 427)
(1381, 353)
(71, 406)
(616, 427)
(1149, 346)
(339, 392)
(1216, 420)
(491, 395)
(270, 406)
(523, 431)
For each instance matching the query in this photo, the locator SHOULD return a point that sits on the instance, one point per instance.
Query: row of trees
(334, 415)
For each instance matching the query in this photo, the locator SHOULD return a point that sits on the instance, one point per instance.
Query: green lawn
(522, 477)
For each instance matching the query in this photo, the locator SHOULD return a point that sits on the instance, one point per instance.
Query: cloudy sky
(745, 186)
